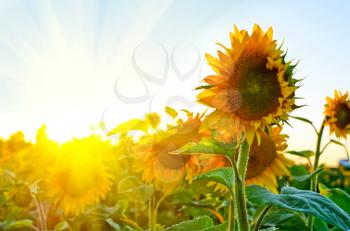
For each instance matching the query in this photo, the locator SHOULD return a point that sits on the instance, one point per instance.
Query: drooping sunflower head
(337, 111)
(80, 178)
(253, 86)
(155, 155)
(266, 161)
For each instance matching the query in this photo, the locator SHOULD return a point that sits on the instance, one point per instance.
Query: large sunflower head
(80, 178)
(253, 85)
(337, 111)
(155, 155)
(266, 161)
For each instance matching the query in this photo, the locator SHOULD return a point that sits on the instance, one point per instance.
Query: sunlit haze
(74, 64)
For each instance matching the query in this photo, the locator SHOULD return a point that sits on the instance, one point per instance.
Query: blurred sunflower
(266, 161)
(155, 157)
(253, 86)
(80, 178)
(337, 111)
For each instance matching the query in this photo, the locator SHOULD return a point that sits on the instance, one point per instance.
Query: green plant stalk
(157, 204)
(41, 214)
(231, 215)
(152, 213)
(261, 217)
(314, 179)
(239, 187)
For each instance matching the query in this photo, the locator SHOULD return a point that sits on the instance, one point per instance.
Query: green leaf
(302, 119)
(320, 225)
(63, 225)
(114, 225)
(305, 153)
(208, 146)
(221, 227)
(284, 219)
(204, 87)
(307, 176)
(337, 142)
(134, 189)
(130, 125)
(197, 224)
(301, 201)
(269, 229)
(299, 170)
(221, 175)
(341, 144)
(171, 111)
(338, 196)
(119, 209)
(26, 223)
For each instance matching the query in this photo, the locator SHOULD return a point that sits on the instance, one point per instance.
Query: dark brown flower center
(343, 115)
(171, 161)
(260, 157)
(254, 90)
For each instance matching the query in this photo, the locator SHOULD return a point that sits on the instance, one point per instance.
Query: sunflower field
(226, 168)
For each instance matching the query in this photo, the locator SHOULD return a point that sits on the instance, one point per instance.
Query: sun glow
(62, 72)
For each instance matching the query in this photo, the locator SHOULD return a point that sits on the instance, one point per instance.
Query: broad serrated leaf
(307, 176)
(304, 153)
(171, 111)
(338, 196)
(221, 175)
(284, 219)
(307, 202)
(221, 227)
(208, 146)
(320, 225)
(130, 125)
(198, 224)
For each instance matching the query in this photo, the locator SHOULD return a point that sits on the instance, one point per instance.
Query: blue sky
(60, 60)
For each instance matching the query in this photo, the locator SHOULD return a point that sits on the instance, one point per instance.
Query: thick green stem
(261, 217)
(314, 179)
(239, 187)
(242, 162)
(151, 213)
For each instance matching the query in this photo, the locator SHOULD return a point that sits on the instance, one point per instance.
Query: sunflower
(155, 155)
(337, 111)
(253, 86)
(266, 161)
(80, 178)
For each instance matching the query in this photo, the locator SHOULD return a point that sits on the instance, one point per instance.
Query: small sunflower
(266, 161)
(80, 178)
(337, 111)
(155, 157)
(253, 86)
